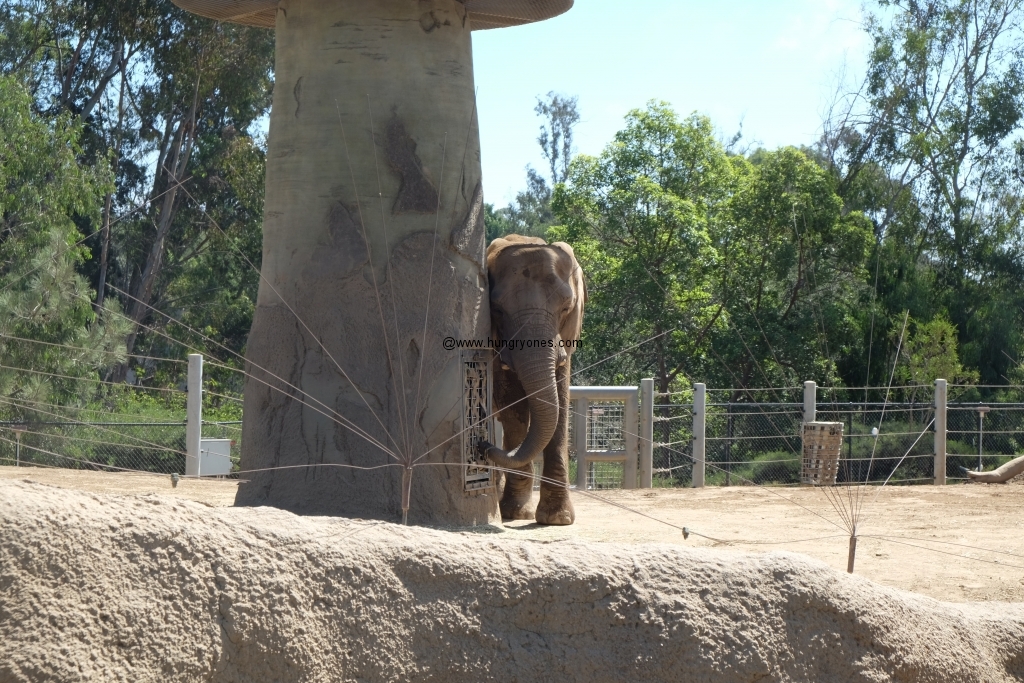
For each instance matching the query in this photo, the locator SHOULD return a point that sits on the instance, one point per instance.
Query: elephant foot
(516, 509)
(556, 513)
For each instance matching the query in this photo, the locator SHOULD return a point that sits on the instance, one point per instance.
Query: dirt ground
(927, 527)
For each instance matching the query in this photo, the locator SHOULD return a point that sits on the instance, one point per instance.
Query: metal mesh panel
(604, 426)
(149, 447)
(901, 452)
(605, 420)
(475, 418)
(604, 475)
(755, 443)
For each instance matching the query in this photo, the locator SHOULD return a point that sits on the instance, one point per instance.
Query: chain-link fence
(982, 436)
(746, 441)
(157, 447)
(760, 443)
(672, 459)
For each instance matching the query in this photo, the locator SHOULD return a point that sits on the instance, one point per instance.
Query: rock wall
(108, 588)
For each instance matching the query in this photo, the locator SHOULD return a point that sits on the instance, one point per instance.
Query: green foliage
(530, 212)
(793, 273)
(166, 99)
(930, 353)
(641, 218)
(742, 272)
(44, 190)
(931, 154)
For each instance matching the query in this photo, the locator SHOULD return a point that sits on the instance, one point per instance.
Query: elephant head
(537, 299)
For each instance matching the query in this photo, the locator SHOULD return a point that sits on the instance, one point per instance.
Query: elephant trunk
(536, 371)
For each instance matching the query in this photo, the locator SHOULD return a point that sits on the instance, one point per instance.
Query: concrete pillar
(699, 434)
(810, 402)
(646, 433)
(940, 431)
(194, 416)
(373, 142)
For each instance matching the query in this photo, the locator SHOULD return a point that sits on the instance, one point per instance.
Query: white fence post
(940, 432)
(810, 402)
(699, 434)
(194, 426)
(631, 439)
(579, 440)
(646, 433)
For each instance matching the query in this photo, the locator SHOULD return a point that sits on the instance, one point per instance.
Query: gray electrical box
(215, 457)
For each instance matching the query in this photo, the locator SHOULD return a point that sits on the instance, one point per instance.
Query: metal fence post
(810, 402)
(728, 444)
(18, 431)
(631, 439)
(194, 411)
(579, 440)
(699, 433)
(940, 432)
(646, 433)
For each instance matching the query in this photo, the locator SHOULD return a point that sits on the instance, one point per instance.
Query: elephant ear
(573, 323)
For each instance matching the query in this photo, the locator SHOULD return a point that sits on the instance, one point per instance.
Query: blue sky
(772, 65)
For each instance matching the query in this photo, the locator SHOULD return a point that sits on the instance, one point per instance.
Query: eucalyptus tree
(44, 191)
(940, 115)
(792, 274)
(170, 99)
(641, 218)
(530, 212)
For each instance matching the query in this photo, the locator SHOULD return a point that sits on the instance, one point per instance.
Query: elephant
(1000, 475)
(537, 295)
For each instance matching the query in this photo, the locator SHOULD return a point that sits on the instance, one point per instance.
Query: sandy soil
(927, 526)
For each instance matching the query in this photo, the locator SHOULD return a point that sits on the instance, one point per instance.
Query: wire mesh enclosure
(747, 439)
(606, 432)
(982, 436)
(157, 447)
(673, 443)
(753, 443)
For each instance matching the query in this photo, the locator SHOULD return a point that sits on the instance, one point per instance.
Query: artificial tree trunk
(373, 142)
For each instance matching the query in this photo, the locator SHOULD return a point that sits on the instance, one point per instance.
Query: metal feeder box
(823, 442)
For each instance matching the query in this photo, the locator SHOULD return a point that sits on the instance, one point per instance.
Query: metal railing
(699, 441)
(628, 437)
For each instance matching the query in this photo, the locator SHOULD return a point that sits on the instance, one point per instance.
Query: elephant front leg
(555, 506)
(517, 498)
